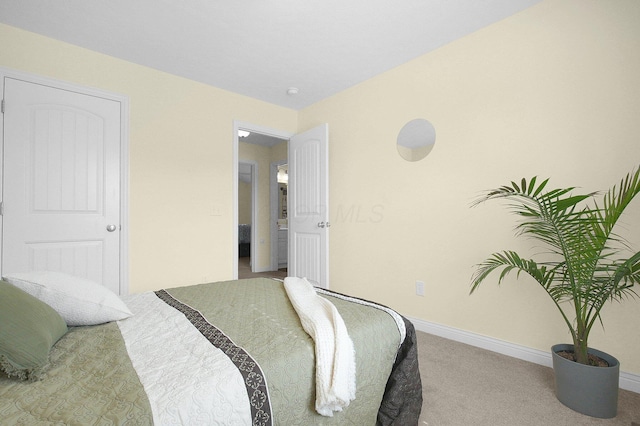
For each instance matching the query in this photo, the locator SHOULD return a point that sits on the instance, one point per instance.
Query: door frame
(124, 154)
(243, 125)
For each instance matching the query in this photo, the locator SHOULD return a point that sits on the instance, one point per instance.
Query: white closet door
(61, 180)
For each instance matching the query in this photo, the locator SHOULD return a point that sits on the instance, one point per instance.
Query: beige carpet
(244, 271)
(464, 385)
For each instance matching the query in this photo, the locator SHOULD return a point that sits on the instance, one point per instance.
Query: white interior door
(61, 182)
(309, 205)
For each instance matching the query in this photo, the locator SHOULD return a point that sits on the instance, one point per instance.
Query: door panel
(309, 205)
(61, 182)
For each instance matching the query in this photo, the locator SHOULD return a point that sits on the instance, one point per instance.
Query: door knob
(321, 225)
(111, 228)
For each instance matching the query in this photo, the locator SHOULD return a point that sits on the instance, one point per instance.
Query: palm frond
(583, 267)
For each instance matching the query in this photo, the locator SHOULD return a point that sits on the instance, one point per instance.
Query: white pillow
(78, 300)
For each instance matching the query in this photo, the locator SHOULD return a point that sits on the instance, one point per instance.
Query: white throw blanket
(335, 354)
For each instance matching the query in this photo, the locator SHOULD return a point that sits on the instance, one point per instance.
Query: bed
(227, 353)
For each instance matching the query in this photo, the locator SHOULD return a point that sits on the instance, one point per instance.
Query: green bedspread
(91, 380)
(257, 315)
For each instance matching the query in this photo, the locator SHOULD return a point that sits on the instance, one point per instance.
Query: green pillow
(28, 330)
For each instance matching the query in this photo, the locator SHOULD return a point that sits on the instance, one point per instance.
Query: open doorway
(247, 191)
(257, 243)
(307, 154)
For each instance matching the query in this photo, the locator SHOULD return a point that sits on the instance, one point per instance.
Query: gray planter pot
(586, 389)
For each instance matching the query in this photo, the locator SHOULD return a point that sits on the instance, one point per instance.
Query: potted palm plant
(585, 265)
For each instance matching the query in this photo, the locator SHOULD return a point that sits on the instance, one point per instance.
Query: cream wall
(244, 202)
(553, 91)
(181, 135)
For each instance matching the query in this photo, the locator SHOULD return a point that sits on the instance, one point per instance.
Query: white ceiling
(260, 48)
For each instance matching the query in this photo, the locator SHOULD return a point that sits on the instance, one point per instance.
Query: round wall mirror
(416, 139)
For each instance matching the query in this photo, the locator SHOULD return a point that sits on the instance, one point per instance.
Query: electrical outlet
(420, 288)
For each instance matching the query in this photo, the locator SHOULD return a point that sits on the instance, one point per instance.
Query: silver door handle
(321, 225)
(111, 228)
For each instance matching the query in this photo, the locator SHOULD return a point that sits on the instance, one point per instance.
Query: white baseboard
(628, 381)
